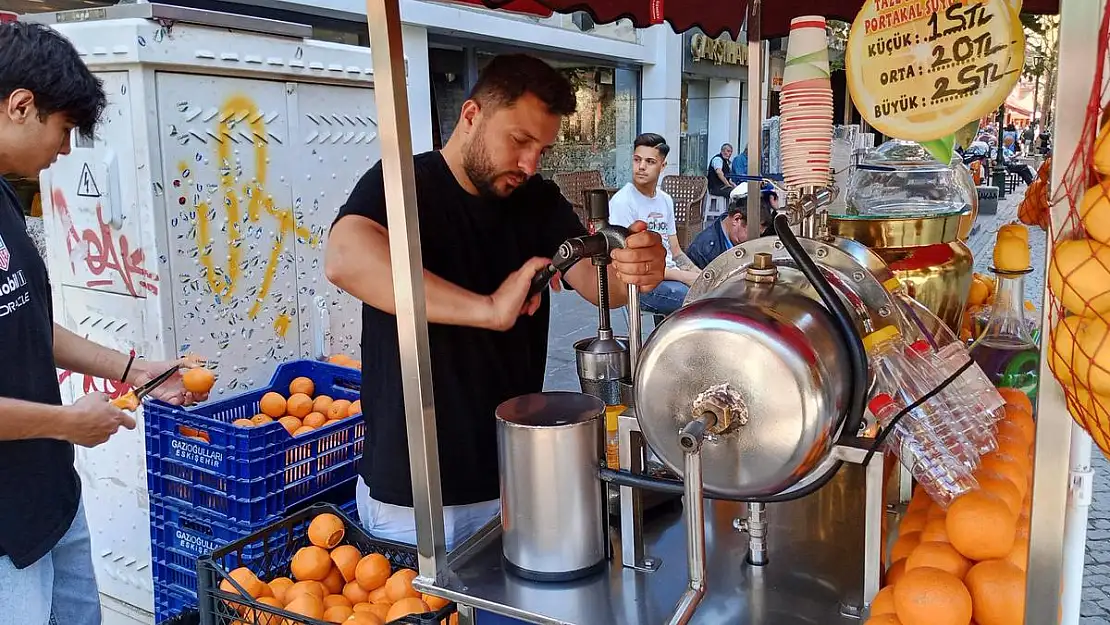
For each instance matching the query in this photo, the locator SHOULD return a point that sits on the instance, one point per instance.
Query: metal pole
(755, 117)
(1052, 530)
(391, 95)
(1000, 165)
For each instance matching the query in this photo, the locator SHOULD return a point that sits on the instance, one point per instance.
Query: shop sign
(720, 58)
(922, 69)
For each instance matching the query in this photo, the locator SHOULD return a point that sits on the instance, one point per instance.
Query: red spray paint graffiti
(90, 384)
(105, 251)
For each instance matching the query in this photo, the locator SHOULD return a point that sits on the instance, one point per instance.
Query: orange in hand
(198, 380)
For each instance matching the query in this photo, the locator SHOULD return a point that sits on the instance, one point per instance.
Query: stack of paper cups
(807, 105)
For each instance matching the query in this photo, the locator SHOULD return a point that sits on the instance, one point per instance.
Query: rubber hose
(857, 357)
(675, 487)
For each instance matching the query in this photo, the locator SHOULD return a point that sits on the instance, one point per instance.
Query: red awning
(717, 16)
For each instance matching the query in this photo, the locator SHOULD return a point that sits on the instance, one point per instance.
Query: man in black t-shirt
(487, 225)
(46, 570)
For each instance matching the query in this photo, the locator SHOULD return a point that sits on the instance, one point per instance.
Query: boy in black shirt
(487, 225)
(46, 570)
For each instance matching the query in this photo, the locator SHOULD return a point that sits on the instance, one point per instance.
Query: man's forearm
(24, 420)
(683, 262)
(358, 262)
(80, 355)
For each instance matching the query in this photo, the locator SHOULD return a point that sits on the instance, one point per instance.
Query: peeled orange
(372, 572)
(311, 563)
(346, 559)
(338, 614)
(307, 605)
(365, 618)
(334, 581)
(399, 586)
(405, 607)
(279, 586)
(357, 594)
(433, 602)
(198, 380)
(326, 531)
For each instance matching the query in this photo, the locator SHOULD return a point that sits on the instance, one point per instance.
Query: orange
(380, 610)
(981, 526)
(935, 531)
(321, 404)
(302, 385)
(919, 501)
(261, 419)
(1021, 418)
(314, 588)
(372, 572)
(1019, 555)
(355, 408)
(405, 607)
(248, 581)
(1014, 431)
(340, 359)
(904, 546)
(1010, 446)
(978, 293)
(883, 603)
(913, 521)
(338, 409)
(936, 512)
(1011, 253)
(305, 429)
(1016, 398)
(291, 424)
(1079, 276)
(311, 563)
(399, 586)
(259, 617)
(941, 556)
(883, 619)
(1013, 468)
(378, 594)
(299, 405)
(895, 573)
(997, 589)
(272, 404)
(243, 423)
(928, 596)
(1002, 487)
(315, 420)
(198, 380)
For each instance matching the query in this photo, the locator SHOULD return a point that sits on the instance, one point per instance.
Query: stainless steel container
(602, 367)
(550, 446)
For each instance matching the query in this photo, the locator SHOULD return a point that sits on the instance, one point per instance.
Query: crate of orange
(253, 457)
(318, 567)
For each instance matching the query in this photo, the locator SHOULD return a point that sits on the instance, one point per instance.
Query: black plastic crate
(279, 542)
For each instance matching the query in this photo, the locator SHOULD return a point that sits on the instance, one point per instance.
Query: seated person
(643, 200)
(729, 229)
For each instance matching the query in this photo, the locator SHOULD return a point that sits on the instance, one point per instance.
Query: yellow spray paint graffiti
(222, 282)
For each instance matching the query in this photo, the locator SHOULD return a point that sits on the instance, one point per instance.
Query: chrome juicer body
(752, 392)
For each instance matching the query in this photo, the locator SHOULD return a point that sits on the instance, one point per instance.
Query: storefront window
(694, 140)
(600, 133)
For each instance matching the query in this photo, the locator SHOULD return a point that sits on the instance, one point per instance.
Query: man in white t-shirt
(643, 200)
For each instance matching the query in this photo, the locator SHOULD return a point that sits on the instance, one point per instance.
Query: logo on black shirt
(5, 255)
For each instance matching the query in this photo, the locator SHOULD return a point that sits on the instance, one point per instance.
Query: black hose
(675, 487)
(857, 357)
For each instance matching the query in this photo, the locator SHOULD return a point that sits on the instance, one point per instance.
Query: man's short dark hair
(509, 76)
(652, 140)
(38, 59)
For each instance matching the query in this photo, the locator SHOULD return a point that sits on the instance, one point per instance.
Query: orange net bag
(1079, 271)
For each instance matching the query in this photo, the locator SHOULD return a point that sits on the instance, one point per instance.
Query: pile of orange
(334, 583)
(302, 411)
(344, 360)
(966, 564)
(1033, 210)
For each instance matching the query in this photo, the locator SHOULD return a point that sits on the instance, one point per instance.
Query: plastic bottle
(967, 409)
(901, 380)
(943, 476)
(612, 437)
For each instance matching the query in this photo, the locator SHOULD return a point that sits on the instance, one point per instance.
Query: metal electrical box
(195, 222)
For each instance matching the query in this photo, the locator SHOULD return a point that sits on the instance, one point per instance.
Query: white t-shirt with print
(629, 205)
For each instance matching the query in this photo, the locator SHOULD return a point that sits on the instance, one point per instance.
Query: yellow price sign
(922, 69)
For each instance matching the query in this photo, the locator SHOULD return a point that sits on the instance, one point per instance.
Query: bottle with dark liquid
(1006, 351)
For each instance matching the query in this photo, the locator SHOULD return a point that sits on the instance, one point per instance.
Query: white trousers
(398, 523)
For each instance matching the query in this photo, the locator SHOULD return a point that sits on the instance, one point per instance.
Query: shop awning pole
(1061, 477)
(391, 95)
(755, 119)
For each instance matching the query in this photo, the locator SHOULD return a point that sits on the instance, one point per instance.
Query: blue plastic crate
(170, 601)
(196, 458)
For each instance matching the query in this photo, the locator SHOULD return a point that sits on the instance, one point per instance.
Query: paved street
(574, 319)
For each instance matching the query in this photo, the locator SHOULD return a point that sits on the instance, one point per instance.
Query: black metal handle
(541, 280)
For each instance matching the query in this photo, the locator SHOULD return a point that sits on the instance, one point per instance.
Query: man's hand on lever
(643, 261)
(511, 300)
